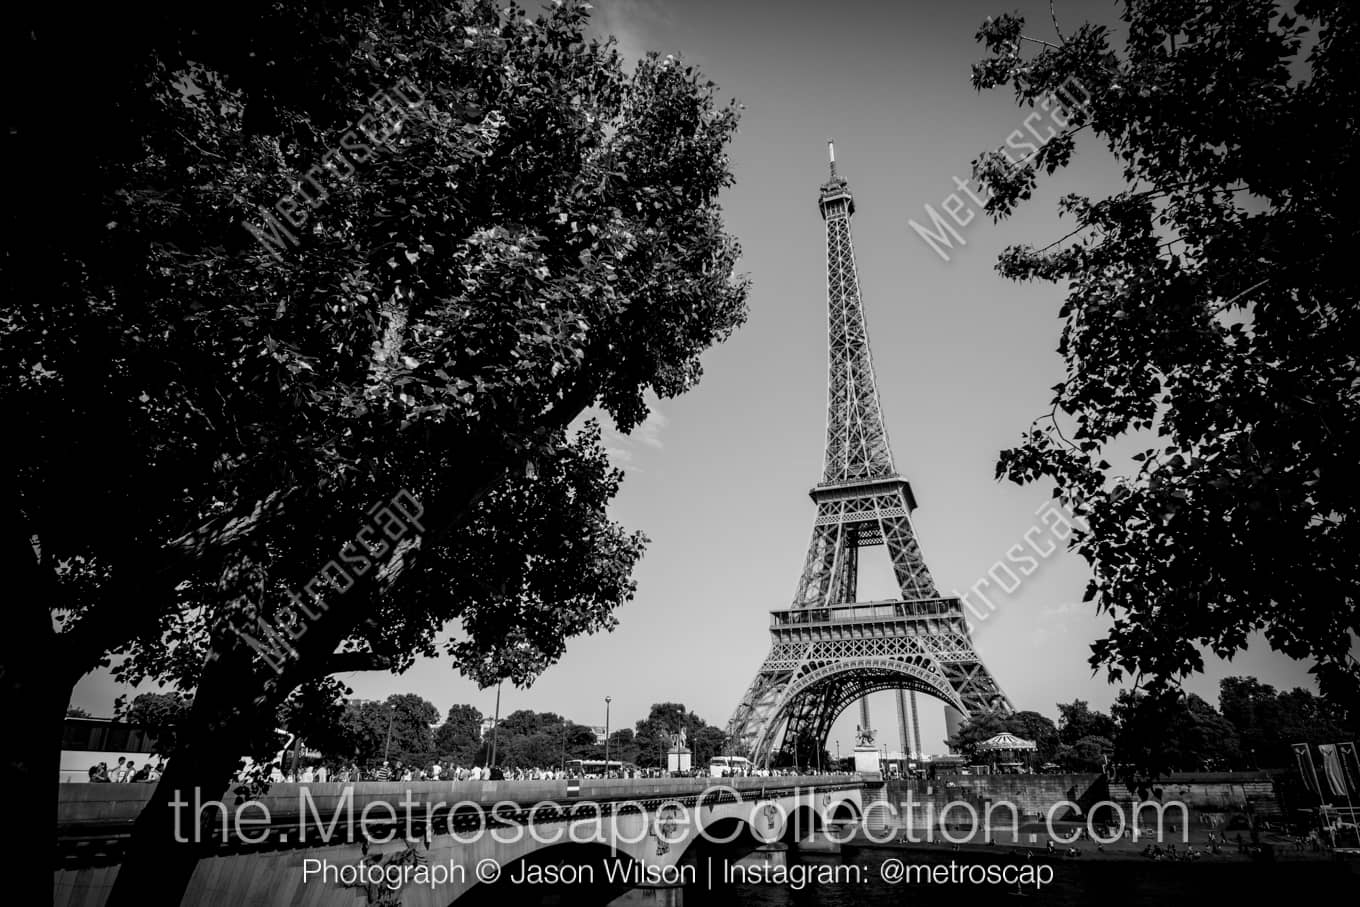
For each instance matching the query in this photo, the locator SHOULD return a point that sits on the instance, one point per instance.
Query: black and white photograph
(681, 453)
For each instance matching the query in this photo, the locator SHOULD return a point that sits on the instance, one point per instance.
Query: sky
(718, 478)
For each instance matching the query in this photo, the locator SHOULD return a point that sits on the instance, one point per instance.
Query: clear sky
(718, 478)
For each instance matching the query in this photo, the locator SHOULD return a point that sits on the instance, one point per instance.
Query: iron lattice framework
(828, 650)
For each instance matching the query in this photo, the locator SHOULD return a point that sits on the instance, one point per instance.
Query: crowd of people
(395, 770)
(126, 771)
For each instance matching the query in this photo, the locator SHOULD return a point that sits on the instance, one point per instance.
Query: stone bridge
(431, 843)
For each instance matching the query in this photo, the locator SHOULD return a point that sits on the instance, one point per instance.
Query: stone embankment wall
(1222, 795)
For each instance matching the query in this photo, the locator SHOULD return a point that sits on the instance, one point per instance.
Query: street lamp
(495, 727)
(607, 700)
(387, 747)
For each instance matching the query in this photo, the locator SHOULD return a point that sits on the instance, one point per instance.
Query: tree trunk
(35, 689)
(167, 842)
(232, 695)
(35, 703)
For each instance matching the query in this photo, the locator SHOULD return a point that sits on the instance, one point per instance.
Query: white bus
(85, 742)
(728, 766)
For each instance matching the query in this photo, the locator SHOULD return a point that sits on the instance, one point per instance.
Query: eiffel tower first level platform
(829, 650)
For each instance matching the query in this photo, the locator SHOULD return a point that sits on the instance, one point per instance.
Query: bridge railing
(108, 806)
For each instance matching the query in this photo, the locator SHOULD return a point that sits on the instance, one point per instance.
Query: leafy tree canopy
(491, 226)
(652, 736)
(1076, 719)
(1210, 316)
(1163, 734)
(159, 714)
(542, 232)
(1268, 723)
(459, 737)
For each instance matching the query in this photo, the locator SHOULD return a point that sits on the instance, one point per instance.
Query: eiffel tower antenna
(829, 650)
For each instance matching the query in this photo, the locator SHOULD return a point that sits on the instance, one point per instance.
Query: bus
(85, 742)
(596, 768)
(728, 766)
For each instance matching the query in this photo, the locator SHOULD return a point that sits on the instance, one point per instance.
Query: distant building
(487, 725)
(599, 731)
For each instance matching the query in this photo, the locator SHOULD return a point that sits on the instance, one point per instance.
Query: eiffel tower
(829, 650)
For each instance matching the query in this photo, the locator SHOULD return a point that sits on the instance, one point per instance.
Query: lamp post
(495, 727)
(607, 700)
(387, 747)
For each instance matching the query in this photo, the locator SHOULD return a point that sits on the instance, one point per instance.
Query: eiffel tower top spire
(856, 440)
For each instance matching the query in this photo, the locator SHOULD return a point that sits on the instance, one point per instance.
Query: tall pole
(915, 726)
(495, 727)
(607, 700)
(387, 747)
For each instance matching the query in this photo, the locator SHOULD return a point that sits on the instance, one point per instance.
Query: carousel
(1004, 749)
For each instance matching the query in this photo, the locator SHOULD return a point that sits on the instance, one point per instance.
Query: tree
(529, 739)
(412, 721)
(1168, 733)
(652, 738)
(623, 747)
(975, 730)
(580, 742)
(1268, 722)
(1038, 728)
(1086, 754)
(160, 715)
(1077, 719)
(708, 741)
(1210, 316)
(459, 737)
(1026, 725)
(367, 732)
(76, 712)
(210, 422)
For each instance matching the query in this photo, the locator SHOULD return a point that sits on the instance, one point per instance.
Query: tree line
(406, 728)
(1253, 727)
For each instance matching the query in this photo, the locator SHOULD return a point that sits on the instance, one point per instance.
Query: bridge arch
(814, 699)
(586, 861)
(728, 837)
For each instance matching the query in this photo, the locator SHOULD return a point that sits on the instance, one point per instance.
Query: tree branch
(1052, 14)
(344, 662)
(1250, 289)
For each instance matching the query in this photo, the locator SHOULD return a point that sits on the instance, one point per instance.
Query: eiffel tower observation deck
(828, 650)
